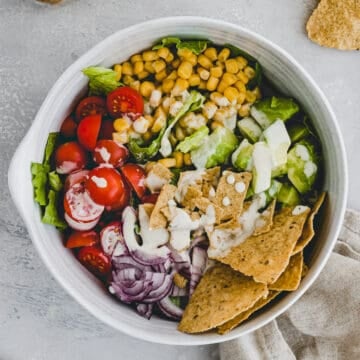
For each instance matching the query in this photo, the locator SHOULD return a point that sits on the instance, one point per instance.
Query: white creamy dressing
(302, 152)
(104, 153)
(226, 201)
(221, 241)
(240, 187)
(310, 169)
(208, 219)
(67, 167)
(230, 179)
(188, 178)
(100, 182)
(212, 192)
(299, 209)
(154, 182)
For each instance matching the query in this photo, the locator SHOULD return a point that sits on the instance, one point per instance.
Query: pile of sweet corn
(164, 77)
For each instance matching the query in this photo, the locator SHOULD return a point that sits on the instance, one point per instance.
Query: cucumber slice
(242, 156)
(288, 195)
(262, 166)
(249, 128)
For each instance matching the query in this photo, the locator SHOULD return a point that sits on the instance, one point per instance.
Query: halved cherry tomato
(88, 131)
(110, 236)
(92, 105)
(125, 100)
(150, 198)
(82, 238)
(95, 260)
(105, 185)
(76, 177)
(106, 129)
(123, 201)
(110, 152)
(70, 157)
(135, 175)
(68, 127)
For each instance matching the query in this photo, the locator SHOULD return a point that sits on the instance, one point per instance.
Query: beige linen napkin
(325, 322)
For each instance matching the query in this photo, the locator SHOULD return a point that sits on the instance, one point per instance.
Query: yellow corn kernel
(224, 54)
(149, 165)
(185, 70)
(219, 99)
(249, 72)
(150, 119)
(155, 98)
(242, 62)
(144, 74)
(209, 109)
(160, 76)
(184, 53)
(167, 162)
(250, 97)
(159, 65)
(146, 88)
(127, 68)
(242, 77)
(147, 136)
(169, 58)
(220, 63)
(121, 137)
(204, 61)
(176, 63)
(204, 74)
(141, 125)
(231, 66)
(187, 159)
(122, 124)
(194, 80)
(180, 86)
(135, 85)
(244, 110)
(241, 98)
(168, 85)
(127, 79)
(202, 85)
(212, 83)
(231, 93)
(240, 86)
(257, 93)
(211, 53)
(179, 133)
(160, 120)
(216, 71)
(138, 67)
(150, 55)
(166, 103)
(163, 53)
(222, 86)
(180, 281)
(229, 79)
(172, 75)
(173, 140)
(135, 58)
(222, 114)
(192, 59)
(183, 122)
(118, 70)
(148, 66)
(179, 158)
(216, 124)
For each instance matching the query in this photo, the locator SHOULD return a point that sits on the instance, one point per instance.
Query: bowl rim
(145, 334)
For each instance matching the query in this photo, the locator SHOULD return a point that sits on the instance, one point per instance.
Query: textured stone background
(38, 320)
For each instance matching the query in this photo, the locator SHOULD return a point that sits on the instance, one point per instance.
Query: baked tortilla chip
(203, 205)
(157, 218)
(336, 24)
(237, 320)
(265, 256)
(265, 221)
(232, 188)
(221, 294)
(309, 232)
(290, 279)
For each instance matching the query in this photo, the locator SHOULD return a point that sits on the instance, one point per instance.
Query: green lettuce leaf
(39, 181)
(101, 80)
(194, 140)
(196, 46)
(55, 181)
(51, 215)
(50, 146)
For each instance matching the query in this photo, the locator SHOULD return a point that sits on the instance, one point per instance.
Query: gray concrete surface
(38, 320)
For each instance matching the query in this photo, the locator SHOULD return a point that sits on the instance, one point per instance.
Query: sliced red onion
(176, 291)
(127, 261)
(146, 259)
(160, 289)
(198, 265)
(199, 241)
(163, 267)
(169, 309)
(145, 310)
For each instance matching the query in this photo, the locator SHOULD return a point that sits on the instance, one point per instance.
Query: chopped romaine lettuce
(39, 174)
(250, 129)
(51, 215)
(266, 111)
(242, 156)
(101, 80)
(196, 46)
(50, 146)
(216, 149)
(194, 140)
(55, 181)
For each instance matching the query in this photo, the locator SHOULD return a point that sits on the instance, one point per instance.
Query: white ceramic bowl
(284, 71)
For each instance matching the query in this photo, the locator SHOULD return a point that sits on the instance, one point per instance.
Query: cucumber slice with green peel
(288, 195)
(249, 129)
(273, 190)
(279, 171)
(242, 156)
(298, 132)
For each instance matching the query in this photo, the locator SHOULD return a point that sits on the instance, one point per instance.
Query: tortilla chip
(157, 176)
(202, 204)
(336, 24)
(148, 208)
(309, 232)
(237, 320)
(265, 222)
(226, 190)
(290, 279)
(305, 270)
(157, 218)
(193, 192)
(265, 256)
(221, 294)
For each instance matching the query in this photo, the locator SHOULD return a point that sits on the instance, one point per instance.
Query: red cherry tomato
(82, 238)
(135, 175)
(68, 127)
(95, 260)
(92, 105)
(105, 185)
(88, 131)
(76, 177)
(70, 157)
(106, 129)
(110, 152)
(125, 100)
(150, 198)
(123, 201)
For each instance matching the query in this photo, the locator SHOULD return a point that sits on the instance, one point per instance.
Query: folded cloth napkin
(325, 322)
